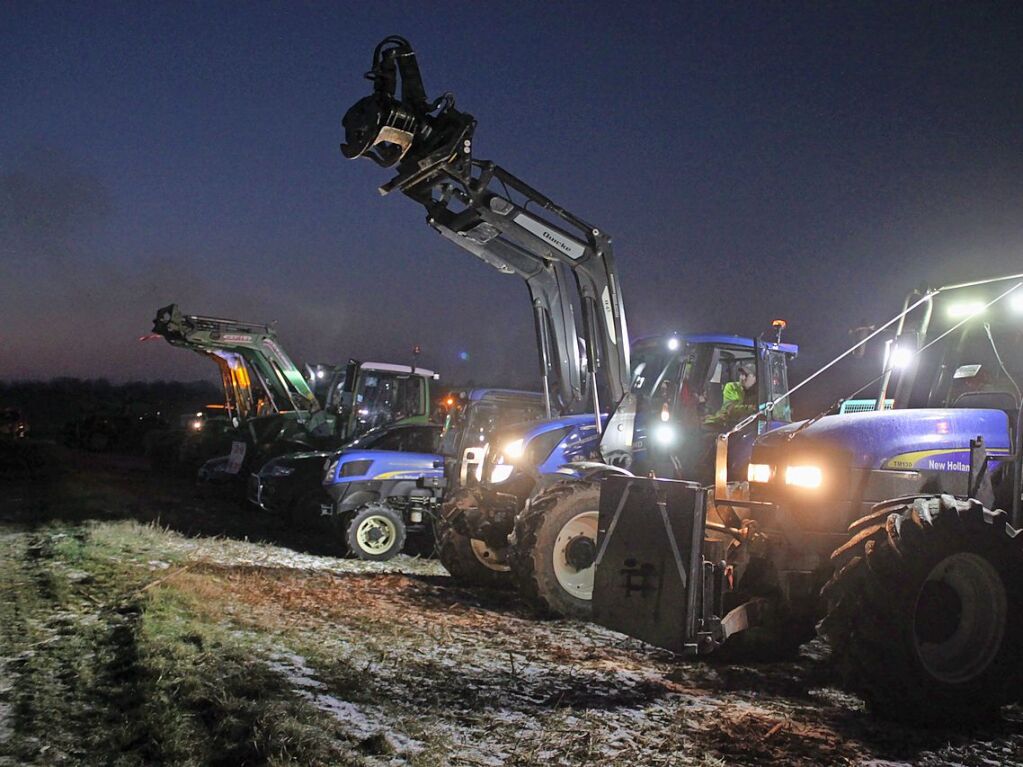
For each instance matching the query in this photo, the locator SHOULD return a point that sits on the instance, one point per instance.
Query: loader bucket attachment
(424, 139)
(651, 579)
(379, 128)
(168, 323)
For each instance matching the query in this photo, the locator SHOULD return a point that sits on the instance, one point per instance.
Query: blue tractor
(502, 528)
(381, 494)
(536, 507)
(926, 605)
(889, 509)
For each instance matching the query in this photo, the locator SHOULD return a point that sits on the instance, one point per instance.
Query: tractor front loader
(534, 510)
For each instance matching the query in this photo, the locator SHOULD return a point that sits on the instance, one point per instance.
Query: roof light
(964, 309)
(900, 357)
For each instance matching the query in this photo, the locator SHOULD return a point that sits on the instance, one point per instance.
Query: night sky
(752, 160)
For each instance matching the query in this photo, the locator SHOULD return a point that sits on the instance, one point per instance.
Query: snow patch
(360, 723)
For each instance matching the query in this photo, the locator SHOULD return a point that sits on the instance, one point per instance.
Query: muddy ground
(143, 624)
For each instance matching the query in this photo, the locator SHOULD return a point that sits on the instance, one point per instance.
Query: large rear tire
(555, 548)
(925, 611)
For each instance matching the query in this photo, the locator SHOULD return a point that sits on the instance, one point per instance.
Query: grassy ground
(142, 625)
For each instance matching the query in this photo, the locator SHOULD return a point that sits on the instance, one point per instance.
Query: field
(144, 624)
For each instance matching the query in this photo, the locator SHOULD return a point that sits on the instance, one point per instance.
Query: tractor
(922, 596)
(271, 410)
(893, 524)
(513, 517)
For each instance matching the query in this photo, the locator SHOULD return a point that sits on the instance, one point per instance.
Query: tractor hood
(895, 439)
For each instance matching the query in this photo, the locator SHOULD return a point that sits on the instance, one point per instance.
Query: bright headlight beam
(964, 309)
(758, 472)
(804, 476)
(514, 449)
(664, 434)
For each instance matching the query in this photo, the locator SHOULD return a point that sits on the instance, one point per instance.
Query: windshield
(651, 360)
(982, 367)
(473, 426)
(385, 397)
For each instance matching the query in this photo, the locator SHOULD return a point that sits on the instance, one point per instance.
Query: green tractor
(270, 409)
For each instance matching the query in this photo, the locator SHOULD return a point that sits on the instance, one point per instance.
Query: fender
(592, 471)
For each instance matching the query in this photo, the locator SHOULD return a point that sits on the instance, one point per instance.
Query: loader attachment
(500, 220)
(652, 581)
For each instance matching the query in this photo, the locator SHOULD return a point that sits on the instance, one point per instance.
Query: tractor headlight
(804, 476)
(503, 464)
(759, 472)
(665, 434)
(514, 449)
(197, 425)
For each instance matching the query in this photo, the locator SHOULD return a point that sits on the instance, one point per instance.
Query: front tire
(925, 611)
(555, 549)
(469, 560)
(375, 533)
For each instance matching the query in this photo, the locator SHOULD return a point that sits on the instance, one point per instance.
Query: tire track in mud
(71, 666)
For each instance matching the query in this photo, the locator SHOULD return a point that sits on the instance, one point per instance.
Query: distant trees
(48, 405)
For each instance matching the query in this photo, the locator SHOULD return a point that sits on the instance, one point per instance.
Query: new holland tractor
(380, 493)
(923, 610)
(514, 523)
(907, 515)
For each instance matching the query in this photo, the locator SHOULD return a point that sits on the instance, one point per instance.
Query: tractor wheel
(375, 532)
(555, 548)
(925, 610)
(469, 560)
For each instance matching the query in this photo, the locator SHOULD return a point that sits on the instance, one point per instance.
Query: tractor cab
(468, 429)
(683, 395)
(367, 395)
(978, 367)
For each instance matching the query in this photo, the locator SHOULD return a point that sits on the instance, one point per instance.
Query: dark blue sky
(752, 160)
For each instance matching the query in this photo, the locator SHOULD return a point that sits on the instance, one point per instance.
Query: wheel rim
(960, 618)
(490, 558)
(576, 580)
(376, 534)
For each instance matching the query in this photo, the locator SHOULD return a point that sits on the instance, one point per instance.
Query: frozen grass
(128, 643)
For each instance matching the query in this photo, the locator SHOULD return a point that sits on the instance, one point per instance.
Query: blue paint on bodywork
(387, 464)
(723, 339)
(873, 438)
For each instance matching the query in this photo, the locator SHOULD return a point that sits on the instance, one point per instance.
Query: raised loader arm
(241, 350)
(514, 228)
